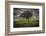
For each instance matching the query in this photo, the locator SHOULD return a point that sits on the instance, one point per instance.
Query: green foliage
(25, 23)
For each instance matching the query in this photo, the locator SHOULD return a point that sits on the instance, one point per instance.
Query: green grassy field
(26, 23)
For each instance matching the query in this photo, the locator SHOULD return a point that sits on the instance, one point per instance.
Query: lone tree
(26, 14)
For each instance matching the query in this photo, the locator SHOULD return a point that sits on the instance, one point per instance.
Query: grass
(26, 23)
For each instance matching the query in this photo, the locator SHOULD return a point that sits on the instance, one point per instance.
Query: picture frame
(9, 30)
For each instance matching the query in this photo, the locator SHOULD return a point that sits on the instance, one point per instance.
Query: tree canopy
(26, 14)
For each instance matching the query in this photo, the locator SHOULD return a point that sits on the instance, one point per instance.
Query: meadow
(26, 23)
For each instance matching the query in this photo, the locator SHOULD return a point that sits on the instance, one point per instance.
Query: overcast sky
(19, 11)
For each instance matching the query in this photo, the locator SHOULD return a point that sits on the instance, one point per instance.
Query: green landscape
(26, 23)
(24, 17)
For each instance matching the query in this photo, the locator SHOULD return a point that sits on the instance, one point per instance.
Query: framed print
(24, 18)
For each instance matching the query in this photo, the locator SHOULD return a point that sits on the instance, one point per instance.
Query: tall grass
(25, 23)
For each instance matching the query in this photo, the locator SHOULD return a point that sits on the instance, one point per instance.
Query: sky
(19, 11)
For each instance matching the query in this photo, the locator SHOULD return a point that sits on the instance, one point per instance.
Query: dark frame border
(7, 18)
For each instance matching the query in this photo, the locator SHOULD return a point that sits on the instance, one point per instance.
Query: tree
(26, 14)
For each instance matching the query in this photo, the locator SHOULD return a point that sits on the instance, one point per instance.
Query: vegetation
(25, 23)
(26, 14)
